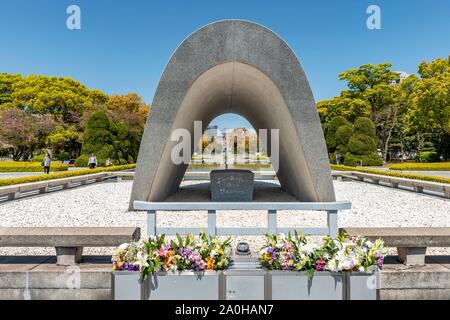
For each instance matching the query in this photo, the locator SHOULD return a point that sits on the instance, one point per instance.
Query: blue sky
(123, 46)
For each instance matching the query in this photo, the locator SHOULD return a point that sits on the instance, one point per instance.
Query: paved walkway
(25, 174)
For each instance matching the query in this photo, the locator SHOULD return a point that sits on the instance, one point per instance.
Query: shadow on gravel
(50, 259)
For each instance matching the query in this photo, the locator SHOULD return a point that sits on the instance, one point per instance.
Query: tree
(345, 105)
(97, 136)
(430, 98)
(362, 145)
(373, 93)
(330, 132)
(343, 135)
(21, 133)
(55, 111)
(61, 97)
(64, 140)
(128, 115)
(6, 83)
(115, 131)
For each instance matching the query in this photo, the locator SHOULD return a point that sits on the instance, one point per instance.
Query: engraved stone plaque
(232, 185)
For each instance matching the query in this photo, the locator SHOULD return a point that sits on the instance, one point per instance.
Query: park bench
(68, 241)
(411, 243)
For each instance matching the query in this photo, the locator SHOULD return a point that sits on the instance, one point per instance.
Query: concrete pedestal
(68, 256)
(412, 255)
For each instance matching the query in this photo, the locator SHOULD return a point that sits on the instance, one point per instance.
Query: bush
(252, 166)
(60, 175)
(361, 144)
(30, 166)
(63, 156)
(392, 174)
(372, 159)
(438, 166)
(38, 158)
(343, 135)
(81, 161)
(332, 128)
(428, 156)
(365, 126)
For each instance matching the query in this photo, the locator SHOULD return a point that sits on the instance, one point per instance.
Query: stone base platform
(201, 192)
(39, 278)
(428, 282)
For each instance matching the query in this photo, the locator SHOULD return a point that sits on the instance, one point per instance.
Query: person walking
(92, 163)
(46, 163)
(338, 158)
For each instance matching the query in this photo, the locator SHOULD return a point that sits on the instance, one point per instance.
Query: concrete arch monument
(240, 67)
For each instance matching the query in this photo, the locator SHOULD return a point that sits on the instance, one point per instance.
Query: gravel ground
(105, 204)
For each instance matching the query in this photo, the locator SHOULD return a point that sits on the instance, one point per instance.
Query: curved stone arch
(240, 67)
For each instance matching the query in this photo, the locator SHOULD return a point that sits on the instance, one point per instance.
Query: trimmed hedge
(202, 165)
(17, 166)
(59, 175)
(436, 166)
(372, 159)
(393, 174)
(251, 166)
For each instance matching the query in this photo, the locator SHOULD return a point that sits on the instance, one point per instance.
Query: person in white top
(108, 163)
(92, 163)
(46, 163)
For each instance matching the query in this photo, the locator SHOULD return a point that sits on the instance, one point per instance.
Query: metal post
(212, 222)
(272, 221)
(332, 223)
(151, 222)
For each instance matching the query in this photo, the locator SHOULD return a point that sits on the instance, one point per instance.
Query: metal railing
(331, 208)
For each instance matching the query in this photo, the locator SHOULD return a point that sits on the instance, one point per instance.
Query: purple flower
(380, 261)
(197, 261)
(184, 252)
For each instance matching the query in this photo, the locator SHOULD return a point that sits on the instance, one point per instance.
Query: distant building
(211, 131)
(403, 75)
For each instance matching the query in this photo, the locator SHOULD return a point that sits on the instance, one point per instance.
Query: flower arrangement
(125, 258)
(296, 252)
(188, 253)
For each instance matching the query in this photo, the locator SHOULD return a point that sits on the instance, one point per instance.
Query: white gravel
(105, 204)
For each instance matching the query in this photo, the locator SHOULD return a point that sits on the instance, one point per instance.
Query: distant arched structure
(244, 68)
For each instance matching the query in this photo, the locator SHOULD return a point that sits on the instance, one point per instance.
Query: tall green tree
(429, 110)
(128, 114)
(372, 92)
(61, 97)
(97, 133)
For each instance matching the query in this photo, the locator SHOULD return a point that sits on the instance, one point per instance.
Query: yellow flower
(220, 251)
(209, 264)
